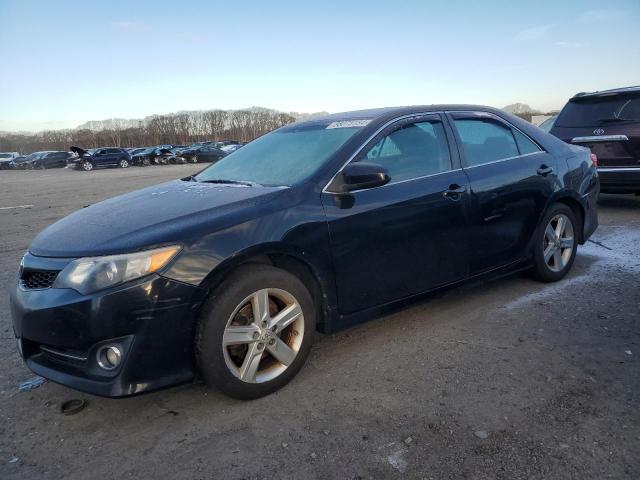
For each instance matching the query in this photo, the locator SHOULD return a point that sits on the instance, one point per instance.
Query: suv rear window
(589, 112)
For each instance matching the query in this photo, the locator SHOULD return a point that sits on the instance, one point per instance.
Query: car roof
(388, 113)
(597, 93)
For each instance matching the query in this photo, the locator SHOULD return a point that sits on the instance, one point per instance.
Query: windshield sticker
(348, 124)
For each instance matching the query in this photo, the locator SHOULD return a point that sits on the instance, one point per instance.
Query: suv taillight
(594, 160)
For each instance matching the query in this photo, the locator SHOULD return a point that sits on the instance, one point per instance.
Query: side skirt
(345, 321)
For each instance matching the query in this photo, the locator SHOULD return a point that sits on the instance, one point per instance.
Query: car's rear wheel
(124, 163)
(87, 166)
(555, 244)
(255, 332)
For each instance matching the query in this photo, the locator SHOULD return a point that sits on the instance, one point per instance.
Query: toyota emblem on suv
(598, 131)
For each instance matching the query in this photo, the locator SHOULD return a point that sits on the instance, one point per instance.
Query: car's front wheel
(87, 166)
(124, 163)
(255, 332)
(556, 244)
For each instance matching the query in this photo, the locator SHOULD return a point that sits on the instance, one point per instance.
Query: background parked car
(15, 163)
(142, 157)
(101, 157)
(230, 148)
(608, 122)
(210, 154)
(47, 159)
(547, 125)
(6, 158)
(51, 160)
(189, 153)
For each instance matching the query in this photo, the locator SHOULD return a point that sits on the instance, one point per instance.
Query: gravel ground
(510, 379)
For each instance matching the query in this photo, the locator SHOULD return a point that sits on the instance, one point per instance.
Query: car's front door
(407, 236)
(101, 157)
(512, 179)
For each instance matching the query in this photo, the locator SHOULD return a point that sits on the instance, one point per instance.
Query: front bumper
(60, 332)
(619, 179)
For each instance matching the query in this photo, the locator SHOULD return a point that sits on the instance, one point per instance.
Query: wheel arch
(294, 262)
(572, 201)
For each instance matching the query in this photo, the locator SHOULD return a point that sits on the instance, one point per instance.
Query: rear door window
(600, 111)
(485, 141)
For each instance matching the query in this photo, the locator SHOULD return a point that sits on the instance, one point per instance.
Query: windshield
(589, 112)
(283, 157)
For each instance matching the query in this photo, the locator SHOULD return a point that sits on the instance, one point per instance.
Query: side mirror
(362, 175)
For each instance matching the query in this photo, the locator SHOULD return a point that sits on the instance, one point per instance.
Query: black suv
(43, 160)
(608, 122)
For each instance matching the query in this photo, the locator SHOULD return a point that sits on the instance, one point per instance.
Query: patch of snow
(617, 247)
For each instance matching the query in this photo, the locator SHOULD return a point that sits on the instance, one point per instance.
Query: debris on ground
(14, 460)
(71, 407)
(32, 383)
(481, 434)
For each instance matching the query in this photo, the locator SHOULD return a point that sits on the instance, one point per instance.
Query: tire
(225, 366)
(124, 163)
(553, 256)
(87, 166)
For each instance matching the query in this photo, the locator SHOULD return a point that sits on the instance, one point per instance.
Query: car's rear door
(407, 236)
(114, 155)
(512, 179)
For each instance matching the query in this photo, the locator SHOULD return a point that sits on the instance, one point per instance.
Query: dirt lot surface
(511, 379)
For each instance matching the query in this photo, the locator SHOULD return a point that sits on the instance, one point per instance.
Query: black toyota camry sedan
(315, 226)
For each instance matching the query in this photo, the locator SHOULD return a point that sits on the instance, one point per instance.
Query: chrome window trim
(503, 160)
(600, 138)
(366, 142)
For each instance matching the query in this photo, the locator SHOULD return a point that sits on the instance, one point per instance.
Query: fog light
(109, 357)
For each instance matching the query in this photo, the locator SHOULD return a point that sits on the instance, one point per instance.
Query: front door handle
(454, 192)
(544, 170)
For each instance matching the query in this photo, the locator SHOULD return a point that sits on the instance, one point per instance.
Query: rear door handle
(454, 192)
(544, 170)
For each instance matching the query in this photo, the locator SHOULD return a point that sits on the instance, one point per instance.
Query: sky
(66, 62)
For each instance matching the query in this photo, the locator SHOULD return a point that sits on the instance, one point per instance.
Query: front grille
(32, 279)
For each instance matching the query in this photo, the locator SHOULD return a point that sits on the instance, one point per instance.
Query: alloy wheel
(87, 166)
(558, 242)
(263, 335)
(124, 163)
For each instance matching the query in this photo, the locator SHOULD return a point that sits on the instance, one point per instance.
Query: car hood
(173, 212)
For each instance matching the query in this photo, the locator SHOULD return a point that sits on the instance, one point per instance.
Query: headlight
(88, 275)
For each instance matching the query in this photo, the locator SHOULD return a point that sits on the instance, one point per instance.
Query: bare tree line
(177, 129)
